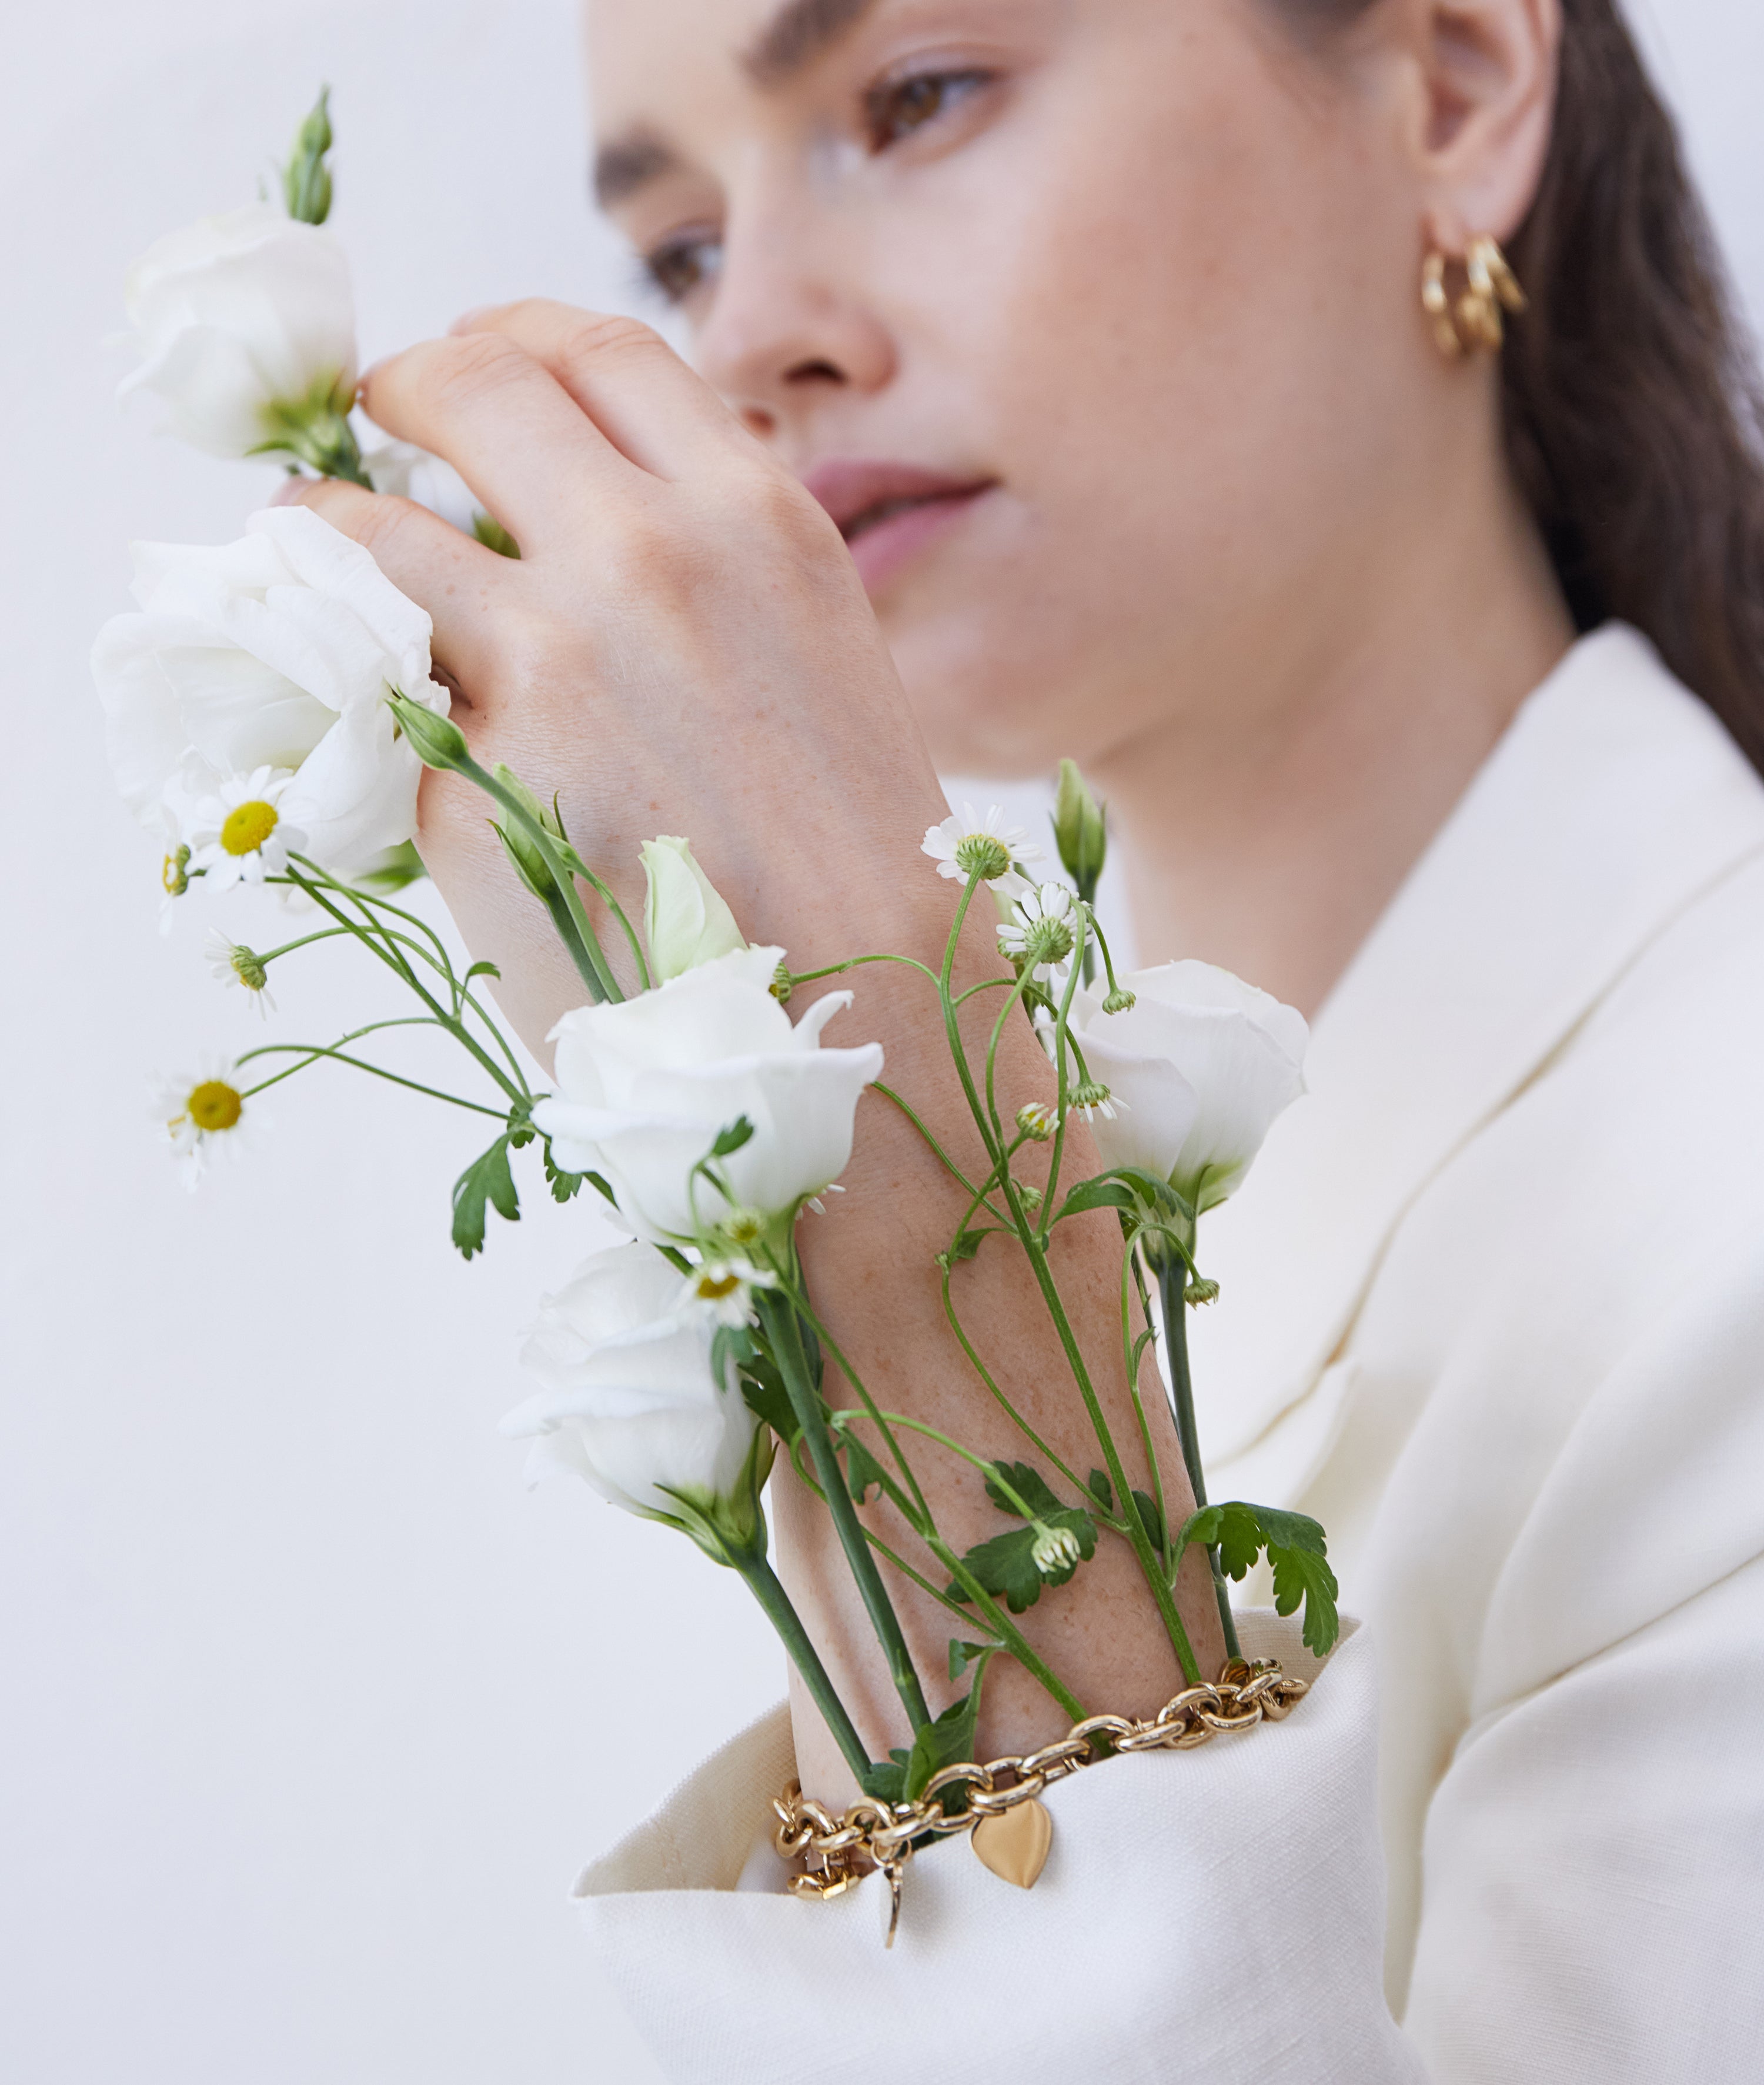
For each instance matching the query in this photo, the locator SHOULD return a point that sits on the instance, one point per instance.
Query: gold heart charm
(1014, 1844)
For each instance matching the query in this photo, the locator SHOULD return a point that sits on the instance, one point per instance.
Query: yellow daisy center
(712, 1288)
(248, 826)
(214, 1105)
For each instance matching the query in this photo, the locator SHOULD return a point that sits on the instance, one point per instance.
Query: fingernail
(467, 321)
(292, 492)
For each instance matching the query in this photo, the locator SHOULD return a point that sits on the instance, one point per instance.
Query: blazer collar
(1613, 800)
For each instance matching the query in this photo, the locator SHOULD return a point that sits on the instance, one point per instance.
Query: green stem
(310, 1052)
(1173, 1285)
(778, 1316)
(762, 1581)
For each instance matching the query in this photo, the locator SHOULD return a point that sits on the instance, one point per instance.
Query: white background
(308, 1710)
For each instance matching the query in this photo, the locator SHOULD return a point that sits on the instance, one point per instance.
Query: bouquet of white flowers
(271, 706)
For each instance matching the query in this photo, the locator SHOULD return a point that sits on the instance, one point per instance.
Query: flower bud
(1079, 831)
(1037, 1121)
(1092, 1098)
(518, 844)
(174, 872)
(1055, 1551)
(1120, 1001)
(306, 180)
(686, 921)
(1198, 1292)
(436, 740)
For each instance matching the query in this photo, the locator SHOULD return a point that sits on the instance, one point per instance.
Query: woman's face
(1092, 322)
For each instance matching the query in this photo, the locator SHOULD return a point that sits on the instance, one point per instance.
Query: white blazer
(1492, 1308)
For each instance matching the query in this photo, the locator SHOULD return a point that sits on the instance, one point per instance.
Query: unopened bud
(781, 986)
(1120, 1001)
(1055, 1551)
(1038, 1121)
(174, 872)
(436, 740)
(1199, 1292)
(1092, 1098)
(686, 920)
(1079, 831)
(306, 180)
(518, 842)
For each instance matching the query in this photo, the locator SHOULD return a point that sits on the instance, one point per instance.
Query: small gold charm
(1014, 1844)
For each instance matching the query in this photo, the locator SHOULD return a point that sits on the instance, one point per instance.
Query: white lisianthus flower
(247, 326)
(969, 845)
(686, 921)
(407, 472)
(274, 652)
(238, 835)
(202, 1113)
(645, 1086)
(632, 1402)
(1200, 1065)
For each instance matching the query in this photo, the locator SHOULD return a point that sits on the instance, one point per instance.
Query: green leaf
(863, 1473)
(1149, 1518)
(481, 969)
(486, 1181)
(966, 1245)
(731, 1138)
(763, 1387)
(1029, 1485)
(950, 1740)
(1102, 1193)
(1006, 1568)
(491, 534)
(1102, 1491)
(1297, 1555)
(886, 1779)
(962, 1655)
(566, 1187)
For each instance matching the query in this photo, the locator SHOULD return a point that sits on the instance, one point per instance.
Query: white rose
(1202, 1064)
(274, 652)
(245, 322)
(686, 921)
(631, 1401)
(646, 1084)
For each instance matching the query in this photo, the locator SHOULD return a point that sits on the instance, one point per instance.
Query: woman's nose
(784, 338)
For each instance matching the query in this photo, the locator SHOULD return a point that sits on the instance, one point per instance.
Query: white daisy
(970, 845)
(238, 835)
(201, 1114)
(233, 963)
(1040, 934)
(726, 1286)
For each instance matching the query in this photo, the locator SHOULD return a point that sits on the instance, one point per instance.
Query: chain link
(837, 1851)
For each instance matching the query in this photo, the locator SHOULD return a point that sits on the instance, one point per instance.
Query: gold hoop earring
(1475, 320)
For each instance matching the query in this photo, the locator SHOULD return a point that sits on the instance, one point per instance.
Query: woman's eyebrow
(799, 33)
(628, 163)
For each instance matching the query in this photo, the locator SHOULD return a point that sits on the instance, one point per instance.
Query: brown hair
(1634, 413)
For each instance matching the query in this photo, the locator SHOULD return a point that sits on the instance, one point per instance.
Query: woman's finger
(427, 560)
(629, 381)
(504, 422)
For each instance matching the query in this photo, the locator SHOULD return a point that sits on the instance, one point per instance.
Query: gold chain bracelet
(1011, 1831)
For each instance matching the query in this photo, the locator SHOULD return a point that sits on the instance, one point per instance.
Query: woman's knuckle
(473, 366)
(610, 337)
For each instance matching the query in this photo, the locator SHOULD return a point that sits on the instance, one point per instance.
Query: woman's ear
(1487, 79)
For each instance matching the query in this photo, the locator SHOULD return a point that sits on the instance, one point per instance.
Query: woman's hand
(683, 646)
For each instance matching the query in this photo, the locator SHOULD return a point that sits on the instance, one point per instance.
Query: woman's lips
(888, 512)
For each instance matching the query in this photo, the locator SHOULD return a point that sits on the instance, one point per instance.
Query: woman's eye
(899, 107)
(683, 264)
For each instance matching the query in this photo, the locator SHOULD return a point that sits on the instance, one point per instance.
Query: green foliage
(730, 1138)
(949, 1741)
(863, 1473)
(491, 534)
(962, 1655)
(1006, 1565)
(1298, 1554)
(486, 1183)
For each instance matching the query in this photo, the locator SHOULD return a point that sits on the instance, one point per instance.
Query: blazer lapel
(1612, 801)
